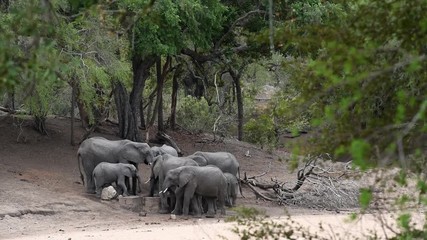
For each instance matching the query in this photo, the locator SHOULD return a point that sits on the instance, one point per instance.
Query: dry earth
(42, 196)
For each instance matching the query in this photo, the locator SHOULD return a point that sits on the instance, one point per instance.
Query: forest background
(351, 74)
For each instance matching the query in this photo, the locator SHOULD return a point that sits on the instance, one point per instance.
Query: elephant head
(177, 177)
(135, 152)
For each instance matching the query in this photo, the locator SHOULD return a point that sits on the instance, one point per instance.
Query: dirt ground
(42, 195)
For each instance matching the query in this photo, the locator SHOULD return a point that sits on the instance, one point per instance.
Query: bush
(260, 130)
(196, 115)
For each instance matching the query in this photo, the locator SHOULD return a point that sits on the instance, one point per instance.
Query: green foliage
(196, 115)
(365, 198)
(359, 81)
(260, 130)
(171, 26)
(252, 224)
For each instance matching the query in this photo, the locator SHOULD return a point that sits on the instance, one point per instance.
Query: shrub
(260, 130)
(196, 115)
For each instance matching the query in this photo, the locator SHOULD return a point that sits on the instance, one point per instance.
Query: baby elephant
(106, 173)
(232, 189)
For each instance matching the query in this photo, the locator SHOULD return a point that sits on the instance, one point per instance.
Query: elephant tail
(80, 163)
(239, 181)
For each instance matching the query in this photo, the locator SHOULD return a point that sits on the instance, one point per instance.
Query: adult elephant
(225, 161)
(160, 167)
(164, 149)
(207, 182)
(95, 150)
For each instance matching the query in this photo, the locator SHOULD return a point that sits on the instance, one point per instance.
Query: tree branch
(243, 18)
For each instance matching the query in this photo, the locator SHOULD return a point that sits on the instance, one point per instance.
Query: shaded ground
(41, 192)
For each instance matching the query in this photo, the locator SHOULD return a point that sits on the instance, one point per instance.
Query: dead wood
(163, 137)
(326, 189)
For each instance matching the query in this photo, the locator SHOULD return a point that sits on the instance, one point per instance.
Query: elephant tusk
(148, 181)
(165, 190)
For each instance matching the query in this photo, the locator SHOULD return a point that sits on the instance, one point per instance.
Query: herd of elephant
(199, 183)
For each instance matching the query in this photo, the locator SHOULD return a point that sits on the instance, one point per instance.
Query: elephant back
(225, 161)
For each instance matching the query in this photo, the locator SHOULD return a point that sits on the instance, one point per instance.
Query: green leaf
(359, 150)
(422, 186)
(401, 178)
(403, 221)
(365, 197)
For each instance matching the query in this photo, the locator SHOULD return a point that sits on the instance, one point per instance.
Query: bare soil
(42, 195)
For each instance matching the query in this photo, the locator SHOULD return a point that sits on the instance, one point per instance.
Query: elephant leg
(154, 186)
(90, 184)
(122, 185)
(163, 203)
(221, 204)
(134, 185)
(211, 207)
(179, 194)
(188, 194)
(138, 177)
(127, 182)
(98, 190)
(195, 206)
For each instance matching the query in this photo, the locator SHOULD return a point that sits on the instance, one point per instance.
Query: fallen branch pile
(324, 188)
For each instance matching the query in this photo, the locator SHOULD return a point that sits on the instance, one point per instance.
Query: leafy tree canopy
(173, 25)
(364, 81)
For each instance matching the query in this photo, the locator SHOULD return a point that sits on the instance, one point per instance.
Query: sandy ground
(42, 196)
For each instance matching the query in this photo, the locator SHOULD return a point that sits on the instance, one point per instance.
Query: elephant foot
(91, 191)
(210, 214)
(176, 212)
(163, 211)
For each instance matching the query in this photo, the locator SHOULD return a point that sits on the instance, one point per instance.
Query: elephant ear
(129, 153)
(129, 170)
(185, 177)
(136, 153)
(199, 159)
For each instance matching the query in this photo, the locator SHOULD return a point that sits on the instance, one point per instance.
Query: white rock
(108, 193)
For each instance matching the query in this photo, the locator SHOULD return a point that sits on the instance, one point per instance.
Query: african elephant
(106, 173)
(232, 188)
(94, 150)
(225, 161)
(161, 165)
(164, 149)
(207, 182)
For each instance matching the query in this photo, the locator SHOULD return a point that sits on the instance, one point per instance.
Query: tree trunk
(174, 97)
(161, 76)
(159, 101)
(73, 100)
(236, 80)
(84, 116)
(239, 110)
(141, 114)
(40, 124)
(140, 67)
(121, 99)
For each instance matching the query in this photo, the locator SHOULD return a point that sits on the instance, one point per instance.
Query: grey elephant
(95, 150)
(207, 182)
(164, 149)
(232, 189)
(225, 161)
(161, 165)
(106, 173)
